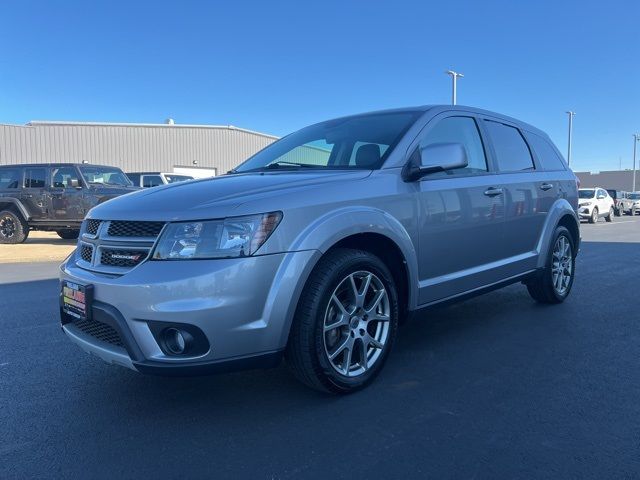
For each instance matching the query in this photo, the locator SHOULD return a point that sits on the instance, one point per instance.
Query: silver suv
(318, 246)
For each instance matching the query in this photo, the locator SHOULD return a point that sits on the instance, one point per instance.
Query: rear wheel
(594, 215)
(345, 323)
(554, 283)
(609, 218)
(13, 229)
(68, 234)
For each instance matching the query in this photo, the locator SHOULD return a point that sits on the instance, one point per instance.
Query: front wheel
(13, 229)
(554, 283)
(594, 215)
(609, 217)
(345, 323)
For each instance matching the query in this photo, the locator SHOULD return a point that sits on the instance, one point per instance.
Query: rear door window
(35, 177)
(548, 156)
(512, 152)
(10, 178)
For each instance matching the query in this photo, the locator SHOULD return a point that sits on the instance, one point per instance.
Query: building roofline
(38, 123)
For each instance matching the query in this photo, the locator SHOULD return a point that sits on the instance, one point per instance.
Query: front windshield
(105, 176)
(359, 142)
(634, 196)
(587, 193)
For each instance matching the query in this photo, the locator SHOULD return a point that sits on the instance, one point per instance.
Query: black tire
(619, 212)
(542, 288)
(633, 212)
(68, 234)
(13, 228)
(307, 351)
(609, 218)
(594, 215)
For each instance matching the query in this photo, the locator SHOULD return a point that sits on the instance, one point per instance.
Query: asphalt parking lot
(495, 387)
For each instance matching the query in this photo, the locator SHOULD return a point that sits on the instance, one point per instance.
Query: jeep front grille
(134, 229)
(122, 258)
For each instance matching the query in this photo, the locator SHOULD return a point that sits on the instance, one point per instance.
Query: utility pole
(571, 115)
(454, 80)
(636, 138)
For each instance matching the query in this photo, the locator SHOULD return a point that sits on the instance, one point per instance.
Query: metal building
(133, 147)
(616, 179)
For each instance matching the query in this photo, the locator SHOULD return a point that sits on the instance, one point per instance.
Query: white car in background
(594, 203)
(635, 199)
(154, 179)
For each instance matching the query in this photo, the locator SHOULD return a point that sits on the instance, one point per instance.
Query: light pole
(571, 115)
(636, 138)
(454, 79)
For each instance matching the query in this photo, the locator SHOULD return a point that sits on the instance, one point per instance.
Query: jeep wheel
(13, 229)
(68, 234)
(594, 215)
(555, 281)
(345, 323)
(609, 218)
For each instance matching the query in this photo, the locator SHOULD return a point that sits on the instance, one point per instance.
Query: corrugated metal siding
(130, 147)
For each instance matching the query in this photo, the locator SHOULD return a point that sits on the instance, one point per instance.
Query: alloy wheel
(562, 265)
(356, 323)
(7, 227)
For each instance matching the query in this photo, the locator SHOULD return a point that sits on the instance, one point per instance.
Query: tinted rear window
(512, 152)
(547, 155)
(34, 177)
(10, 177)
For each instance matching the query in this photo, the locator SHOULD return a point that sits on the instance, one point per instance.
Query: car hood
(215, 197)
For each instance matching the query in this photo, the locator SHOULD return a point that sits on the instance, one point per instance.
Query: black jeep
(54, 197)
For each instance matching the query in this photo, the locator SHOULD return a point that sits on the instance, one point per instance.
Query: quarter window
(512, 152)
(34, 177)
(9, 178)
(548, 156)
(462, 130)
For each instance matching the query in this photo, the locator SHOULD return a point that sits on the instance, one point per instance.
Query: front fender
(327, 230)
(558, 210)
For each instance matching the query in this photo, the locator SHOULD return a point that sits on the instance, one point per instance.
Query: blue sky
(277, 66)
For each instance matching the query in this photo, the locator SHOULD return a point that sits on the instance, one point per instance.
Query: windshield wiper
(290, 164)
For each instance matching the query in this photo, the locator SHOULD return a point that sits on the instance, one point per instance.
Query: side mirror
(437, 157)
(74, 183)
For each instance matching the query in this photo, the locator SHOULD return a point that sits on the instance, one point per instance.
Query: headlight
(585, 204)
(228, 238)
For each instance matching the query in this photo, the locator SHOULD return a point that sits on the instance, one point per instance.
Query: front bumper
(585, 211)
(241, 307)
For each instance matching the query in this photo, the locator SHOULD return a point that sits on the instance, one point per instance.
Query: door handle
(546, 186)
(493, 191)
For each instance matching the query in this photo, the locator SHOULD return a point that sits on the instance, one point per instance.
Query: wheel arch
(9, 203)
(560, 214)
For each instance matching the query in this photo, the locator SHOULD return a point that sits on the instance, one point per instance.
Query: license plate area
(76, 300)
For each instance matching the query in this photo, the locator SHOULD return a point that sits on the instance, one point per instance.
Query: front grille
(86, 252)
(135, 229)
(101, 331)
(92, 226)
(122, 258)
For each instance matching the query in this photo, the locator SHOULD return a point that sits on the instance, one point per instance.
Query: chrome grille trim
(115, 237)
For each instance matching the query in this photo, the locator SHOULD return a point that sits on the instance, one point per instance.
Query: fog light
(176, 341)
